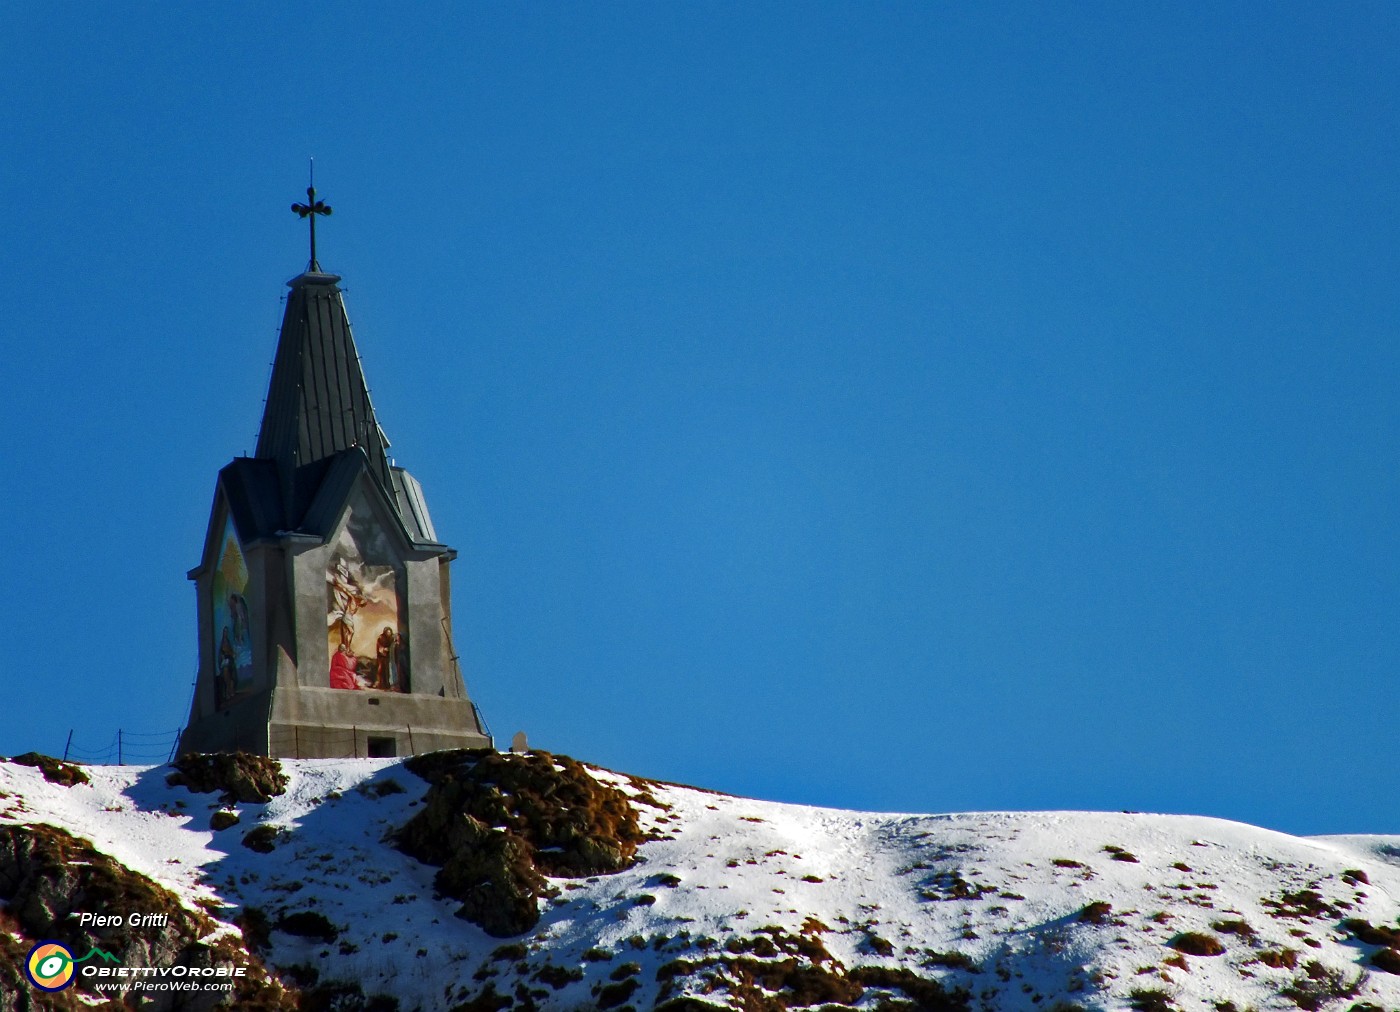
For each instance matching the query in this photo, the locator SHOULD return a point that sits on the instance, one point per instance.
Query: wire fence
(482, 726)
(137, 747)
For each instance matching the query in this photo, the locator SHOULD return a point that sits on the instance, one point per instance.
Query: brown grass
(1096, 913)
(1372, 934)
(1320, 985)
(1150, 999)
(1279, 959)
(1197, 943)
(1387, 960)
(262, 839)
(55, 771)
(308, 924)
(1305, 904)
(1240, 927)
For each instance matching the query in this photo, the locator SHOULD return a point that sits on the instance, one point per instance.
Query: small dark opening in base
(383, 748)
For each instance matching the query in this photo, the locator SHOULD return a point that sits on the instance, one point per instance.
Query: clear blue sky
(918, 407)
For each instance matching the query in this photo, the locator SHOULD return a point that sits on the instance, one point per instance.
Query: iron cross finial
(310, 209)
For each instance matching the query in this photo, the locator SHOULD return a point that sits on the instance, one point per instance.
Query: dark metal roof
(318, 402)
(254, 493)
(412, 506)
(254, 497)
(319, 431)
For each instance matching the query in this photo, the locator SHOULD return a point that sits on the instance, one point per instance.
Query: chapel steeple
(324, 594)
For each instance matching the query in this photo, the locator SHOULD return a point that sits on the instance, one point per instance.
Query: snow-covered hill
(756, 905)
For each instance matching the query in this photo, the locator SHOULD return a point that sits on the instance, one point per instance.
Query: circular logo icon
(49, 966)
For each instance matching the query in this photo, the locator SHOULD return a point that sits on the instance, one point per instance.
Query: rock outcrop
(498, 824)
(46, 875)
(55, 771)
(251, 779)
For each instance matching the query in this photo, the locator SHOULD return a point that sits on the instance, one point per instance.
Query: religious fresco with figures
(365, 622)
(233, 634)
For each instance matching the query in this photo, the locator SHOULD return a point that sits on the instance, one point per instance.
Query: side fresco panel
(232, 626)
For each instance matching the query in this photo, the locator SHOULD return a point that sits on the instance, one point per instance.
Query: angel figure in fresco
(343, 669)
(348, 596)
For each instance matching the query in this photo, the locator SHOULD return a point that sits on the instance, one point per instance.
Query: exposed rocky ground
(485, 882)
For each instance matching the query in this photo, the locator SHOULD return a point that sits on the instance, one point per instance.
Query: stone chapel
(324, 594)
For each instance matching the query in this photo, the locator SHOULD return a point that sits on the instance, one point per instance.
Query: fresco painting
(233, 635)
(365, 627)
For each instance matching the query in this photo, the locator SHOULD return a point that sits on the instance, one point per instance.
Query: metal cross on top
(310, 209)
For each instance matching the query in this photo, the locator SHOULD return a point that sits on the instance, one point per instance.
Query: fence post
(67, 745)
(119, 748)
(411, 749)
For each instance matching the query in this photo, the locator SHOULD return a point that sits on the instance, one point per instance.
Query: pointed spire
(318, 401)
(309, 211)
